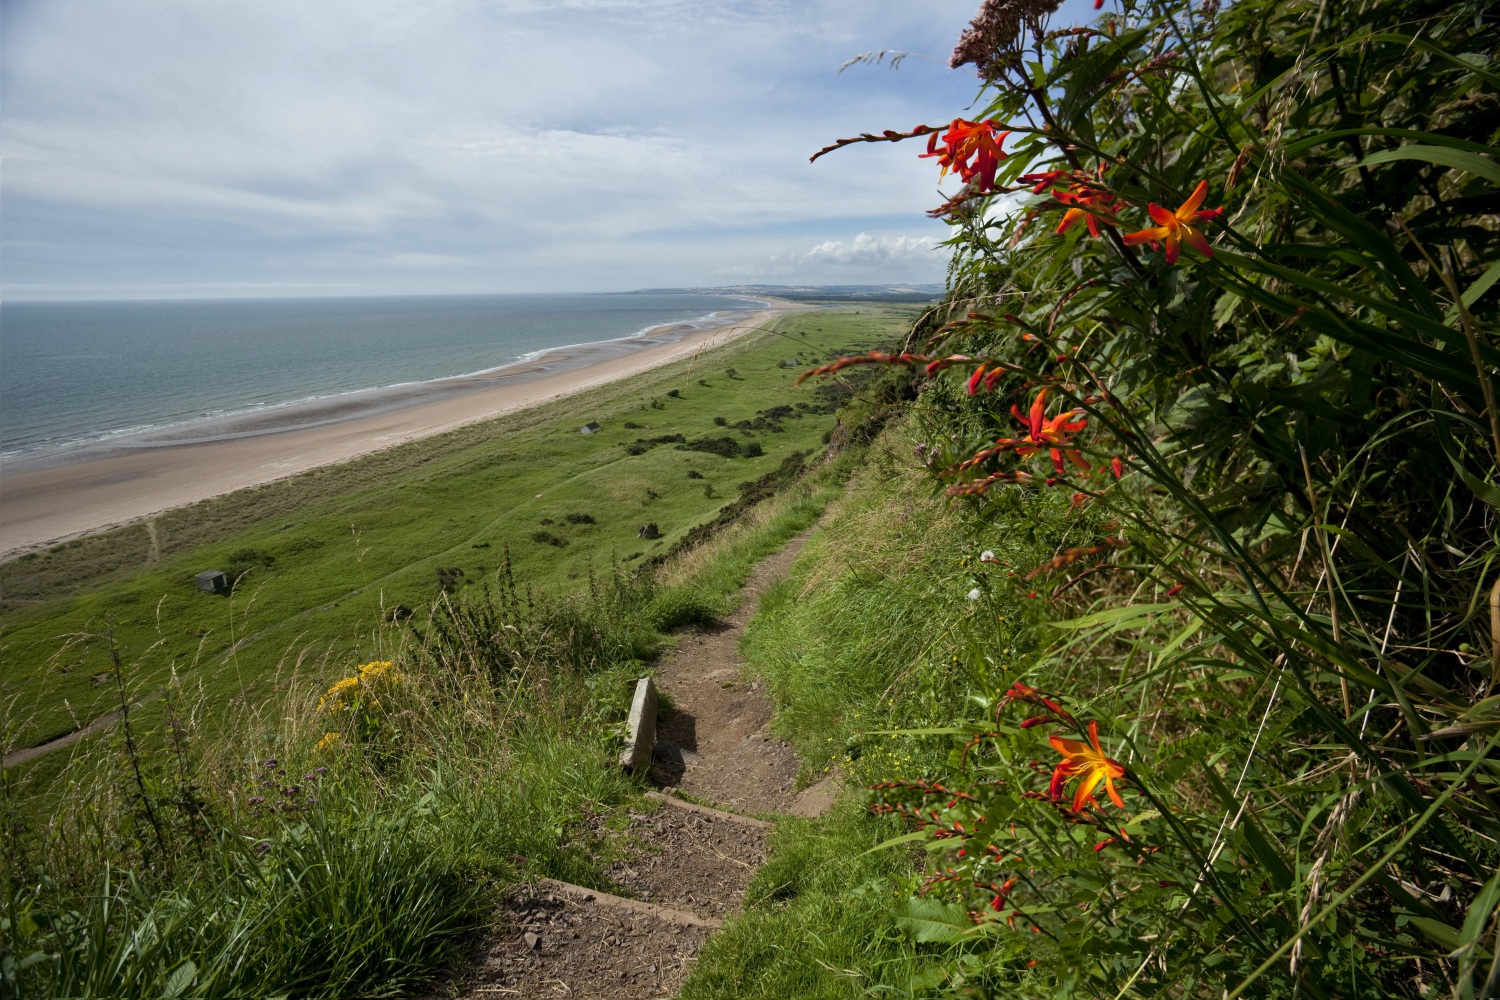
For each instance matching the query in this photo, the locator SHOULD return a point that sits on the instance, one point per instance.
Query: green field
(321, 558)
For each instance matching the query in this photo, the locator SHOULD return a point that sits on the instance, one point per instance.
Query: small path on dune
(685, 866)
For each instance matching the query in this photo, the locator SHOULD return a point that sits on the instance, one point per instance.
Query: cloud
(461, 145)
(864, 259)
(879, 251)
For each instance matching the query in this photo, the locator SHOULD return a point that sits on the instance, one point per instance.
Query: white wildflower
(973, 595)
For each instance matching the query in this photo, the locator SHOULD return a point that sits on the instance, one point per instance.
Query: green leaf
(1422, 44)
(1304, 144)
(931, 920)
(181, 978)
(905, 838)
(1488, 492)
(1458, 159)
(1479, 911)
(1265, 852)
(1481, 284)
(1116, 617)
(1435, 930)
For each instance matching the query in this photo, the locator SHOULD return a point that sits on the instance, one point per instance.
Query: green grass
(819, 921)
(859, 641)
(254, 862)
(325, 555)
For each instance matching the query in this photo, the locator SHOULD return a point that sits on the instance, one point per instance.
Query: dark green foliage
(548, 538)
(642, 445)
(725, 446)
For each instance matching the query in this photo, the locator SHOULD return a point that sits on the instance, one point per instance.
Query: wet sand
(40, 506)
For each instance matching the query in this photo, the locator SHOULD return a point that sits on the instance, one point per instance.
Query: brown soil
(686, 866)
(691, 860)
(556, 944)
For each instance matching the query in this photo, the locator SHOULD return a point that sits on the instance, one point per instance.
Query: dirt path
(713, 745)
(686, 866)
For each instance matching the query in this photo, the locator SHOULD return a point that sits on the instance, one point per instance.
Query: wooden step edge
(706, 811)
(666, 914)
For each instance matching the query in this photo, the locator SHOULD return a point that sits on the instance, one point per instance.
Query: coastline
(48, 504)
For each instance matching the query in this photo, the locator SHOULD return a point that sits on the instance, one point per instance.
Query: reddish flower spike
(1045, 179)
(974, 380)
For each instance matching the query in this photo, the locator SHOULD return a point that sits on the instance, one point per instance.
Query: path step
(691, 857)
(563, 940)
(687, 806)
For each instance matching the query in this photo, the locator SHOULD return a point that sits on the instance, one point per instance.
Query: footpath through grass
(321, 558)
(869, 647)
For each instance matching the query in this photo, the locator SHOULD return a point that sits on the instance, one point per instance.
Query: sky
(208, 148)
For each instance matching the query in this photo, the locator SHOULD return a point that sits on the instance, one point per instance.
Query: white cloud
(462, 145)
(859, 260)
(866, 250)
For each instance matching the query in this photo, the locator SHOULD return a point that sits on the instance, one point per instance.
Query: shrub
(725, 446)
(677, 607)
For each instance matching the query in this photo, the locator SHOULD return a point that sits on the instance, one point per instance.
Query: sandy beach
(46, 505)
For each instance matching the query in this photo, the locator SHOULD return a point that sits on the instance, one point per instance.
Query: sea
(79, 378)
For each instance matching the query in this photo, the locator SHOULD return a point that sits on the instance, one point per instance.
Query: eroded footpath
(684, 866)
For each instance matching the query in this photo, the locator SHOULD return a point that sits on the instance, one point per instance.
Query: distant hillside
(822, 293)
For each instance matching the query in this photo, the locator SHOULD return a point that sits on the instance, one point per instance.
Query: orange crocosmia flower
(972, 149)
(1179, 227)
(1053, 434)
(1086, 202)
(1086, 761)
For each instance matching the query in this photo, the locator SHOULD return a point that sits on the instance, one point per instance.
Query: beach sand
(46, 505)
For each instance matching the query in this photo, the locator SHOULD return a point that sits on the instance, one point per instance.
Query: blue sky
(355, 147)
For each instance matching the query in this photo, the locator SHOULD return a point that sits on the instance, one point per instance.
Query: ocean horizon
(82, 377)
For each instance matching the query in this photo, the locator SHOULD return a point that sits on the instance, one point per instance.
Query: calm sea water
(87, 372)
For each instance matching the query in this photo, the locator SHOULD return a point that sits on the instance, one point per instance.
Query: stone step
(686, 806)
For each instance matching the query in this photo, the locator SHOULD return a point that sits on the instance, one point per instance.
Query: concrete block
(640, 733)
